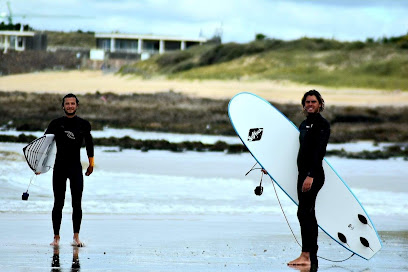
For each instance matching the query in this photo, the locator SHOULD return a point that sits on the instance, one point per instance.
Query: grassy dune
(71, 39)
(366, 68)
(321, 62)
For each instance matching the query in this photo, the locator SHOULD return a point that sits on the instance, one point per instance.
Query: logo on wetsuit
(255, 134)
(70, 135)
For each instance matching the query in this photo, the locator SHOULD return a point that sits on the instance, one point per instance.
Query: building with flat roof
(14, 40)
(139, 44)
(22, 40)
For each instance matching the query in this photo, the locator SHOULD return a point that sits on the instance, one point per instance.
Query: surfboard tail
(40, 153)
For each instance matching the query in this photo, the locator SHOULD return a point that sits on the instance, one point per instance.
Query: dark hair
(68, 96)
(318, 96)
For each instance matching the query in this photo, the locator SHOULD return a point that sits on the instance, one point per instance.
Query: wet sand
(177, 243)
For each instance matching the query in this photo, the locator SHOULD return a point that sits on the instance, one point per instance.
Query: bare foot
(56, 240)
(76, 242)
(303, 260)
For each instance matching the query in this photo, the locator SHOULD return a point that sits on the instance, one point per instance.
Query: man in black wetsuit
(70, 132)
(314, 136)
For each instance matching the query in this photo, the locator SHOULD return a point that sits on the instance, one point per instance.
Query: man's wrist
(91, 161)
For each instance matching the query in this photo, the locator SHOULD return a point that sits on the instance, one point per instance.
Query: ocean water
(121, 192)
(192, 183)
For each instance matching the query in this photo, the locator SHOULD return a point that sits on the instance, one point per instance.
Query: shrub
(173, 58)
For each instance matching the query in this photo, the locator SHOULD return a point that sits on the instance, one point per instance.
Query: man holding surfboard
(313, 138)
(288, 153)
(70, 131)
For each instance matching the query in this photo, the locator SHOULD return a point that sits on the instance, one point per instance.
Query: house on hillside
(22, 40)
(142, 45)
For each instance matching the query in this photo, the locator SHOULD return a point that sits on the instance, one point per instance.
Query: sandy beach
(278, 91)
(158, 211)
(177, 243)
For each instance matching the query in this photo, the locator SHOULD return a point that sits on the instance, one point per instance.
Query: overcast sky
(239, 20)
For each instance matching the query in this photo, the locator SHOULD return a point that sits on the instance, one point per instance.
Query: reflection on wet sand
(55, 264)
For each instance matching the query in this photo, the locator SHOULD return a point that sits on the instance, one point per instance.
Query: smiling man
(70, 132)
(313, 138)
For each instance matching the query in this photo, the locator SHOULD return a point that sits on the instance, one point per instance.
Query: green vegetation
(379, 64)
(71, 39)
(15, 62)
(14, 27)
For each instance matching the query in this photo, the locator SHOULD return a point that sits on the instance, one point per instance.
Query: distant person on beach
(313, 138)
(70, 132)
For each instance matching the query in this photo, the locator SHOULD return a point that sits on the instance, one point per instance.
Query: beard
(70, 113)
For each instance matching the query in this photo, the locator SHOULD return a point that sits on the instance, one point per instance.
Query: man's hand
(89, 170)
(307, 184)
(90, 167)
(264, 171)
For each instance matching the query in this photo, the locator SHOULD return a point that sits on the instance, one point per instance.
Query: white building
(15, 40)
(140, 44)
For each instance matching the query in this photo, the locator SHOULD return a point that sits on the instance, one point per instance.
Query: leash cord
(31, 179)
(294, 236)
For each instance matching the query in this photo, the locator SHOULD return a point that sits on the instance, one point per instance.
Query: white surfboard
(40, 153)
(273, 141)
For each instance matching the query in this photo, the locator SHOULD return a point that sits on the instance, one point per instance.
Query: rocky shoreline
(392, 151)
(178, 113)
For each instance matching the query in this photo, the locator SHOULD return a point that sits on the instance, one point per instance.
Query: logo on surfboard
(255, 134)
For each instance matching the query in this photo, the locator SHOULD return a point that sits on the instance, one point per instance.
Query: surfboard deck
(40, 153)
(273, 141)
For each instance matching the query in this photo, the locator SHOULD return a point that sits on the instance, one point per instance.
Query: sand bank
(279, 91)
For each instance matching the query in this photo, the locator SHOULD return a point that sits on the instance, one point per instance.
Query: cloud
(240, 19)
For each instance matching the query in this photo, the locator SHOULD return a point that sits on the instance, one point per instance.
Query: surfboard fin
(342, 238)
(365, 243)
(363, 220)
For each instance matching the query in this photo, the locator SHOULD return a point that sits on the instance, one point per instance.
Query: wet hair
(318, 96)
(68, 96)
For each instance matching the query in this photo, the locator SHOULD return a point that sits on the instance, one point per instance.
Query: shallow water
(192, 183)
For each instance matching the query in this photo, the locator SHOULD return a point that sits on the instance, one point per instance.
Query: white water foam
(143, 192)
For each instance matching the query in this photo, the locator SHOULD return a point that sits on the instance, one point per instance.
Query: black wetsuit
(314, 136)
(70, 134)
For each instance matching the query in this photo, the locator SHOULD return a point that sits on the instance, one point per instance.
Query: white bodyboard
(40, 153)
(273, 141)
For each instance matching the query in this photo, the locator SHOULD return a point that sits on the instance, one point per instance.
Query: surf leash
(294, 236)
(283, 212)
(26, 194)
(253, 168)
